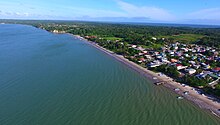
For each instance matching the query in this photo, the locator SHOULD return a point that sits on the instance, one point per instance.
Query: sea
(57, 79)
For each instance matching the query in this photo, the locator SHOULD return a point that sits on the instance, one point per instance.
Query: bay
(56, 79)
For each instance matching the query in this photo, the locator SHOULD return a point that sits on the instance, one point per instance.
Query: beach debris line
(160, 83)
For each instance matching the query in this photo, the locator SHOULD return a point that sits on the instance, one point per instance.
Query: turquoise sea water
(55, 79)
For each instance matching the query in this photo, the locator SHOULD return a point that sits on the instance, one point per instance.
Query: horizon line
(116, 22)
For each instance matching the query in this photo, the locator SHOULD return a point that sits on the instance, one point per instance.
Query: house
(218, 74)
(180, 66)
(155, 63)
(158, 56)
(194, 57)
(210, 58)
(213, 76)
(55, 31)
(176, 47)
(145, 52)
(196, 66)
(193, 50)
(156, 53)
(190, 71)
(192, 62)
(186, 55)
(185, 49)
(179, 53)
(206, 67)
(141, 60)
(164, 60)
(140, 54)
(134, 46)
(174, 60)
(140, 48)
(90, 37)
(204, 74)
(217, 69)
(171, 53)
(148, 56)
(153, 38)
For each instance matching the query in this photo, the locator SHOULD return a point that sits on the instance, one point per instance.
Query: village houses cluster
(189, 59)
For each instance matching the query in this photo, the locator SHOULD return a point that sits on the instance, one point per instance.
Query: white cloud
(209, 14)
(123, 11)
(154, 13)
(17, 14)
(79, 12)
(127, 10)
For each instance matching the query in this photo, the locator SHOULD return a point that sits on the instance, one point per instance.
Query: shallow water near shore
(56, 79)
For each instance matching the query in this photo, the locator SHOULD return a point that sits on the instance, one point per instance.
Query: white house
(153, 38)
(134, 46)
(155, 63)
(180, 66)
(190, 71)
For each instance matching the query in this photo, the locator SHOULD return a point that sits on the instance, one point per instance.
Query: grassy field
(112, 38)
(186, 38)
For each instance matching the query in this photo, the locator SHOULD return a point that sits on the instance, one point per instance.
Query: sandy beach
(193, 95)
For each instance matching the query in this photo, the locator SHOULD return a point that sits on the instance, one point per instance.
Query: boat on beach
(177, 89)
(186, 92)
(179, 97)
(154, 78)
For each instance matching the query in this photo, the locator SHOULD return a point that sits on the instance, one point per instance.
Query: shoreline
(199, 100)
(202, 101)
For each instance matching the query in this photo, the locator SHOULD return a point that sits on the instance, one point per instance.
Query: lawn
(112, 38)
(185, 38)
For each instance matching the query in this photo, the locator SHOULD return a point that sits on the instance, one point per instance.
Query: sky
(146, 11)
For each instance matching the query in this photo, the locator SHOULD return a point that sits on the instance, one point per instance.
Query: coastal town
(191, 70)
(187, 63)
(190, 64)
(188, 60)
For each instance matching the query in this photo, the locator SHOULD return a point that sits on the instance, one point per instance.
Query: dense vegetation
(212, 91)
(136, 34)
(139, 34)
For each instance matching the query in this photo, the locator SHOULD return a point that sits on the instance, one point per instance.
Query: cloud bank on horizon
(169, 11)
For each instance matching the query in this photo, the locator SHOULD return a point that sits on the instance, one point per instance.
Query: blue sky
(159, 11)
